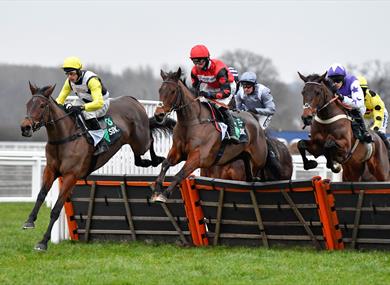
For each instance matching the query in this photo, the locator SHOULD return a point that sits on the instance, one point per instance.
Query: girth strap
(68, 139)
(333, 119)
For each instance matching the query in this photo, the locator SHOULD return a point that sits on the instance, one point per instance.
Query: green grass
(138, 263)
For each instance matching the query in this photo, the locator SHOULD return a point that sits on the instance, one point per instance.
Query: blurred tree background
(143, 84)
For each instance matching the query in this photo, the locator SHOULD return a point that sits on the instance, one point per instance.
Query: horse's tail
(272, 164)
(165, 127)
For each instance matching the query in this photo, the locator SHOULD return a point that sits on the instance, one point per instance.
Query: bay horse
(236, 170)
(332, 135)
(68, 154)
(196, 140)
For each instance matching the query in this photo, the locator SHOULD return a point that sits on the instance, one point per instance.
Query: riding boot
(231, 127)
(94, 126)
(358, 118)
(101, 147)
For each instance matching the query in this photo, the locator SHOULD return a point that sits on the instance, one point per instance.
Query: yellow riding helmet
(72, 62)
(363, 82)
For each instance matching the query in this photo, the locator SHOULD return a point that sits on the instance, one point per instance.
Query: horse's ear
(49, 90)
(178, 73)
(302, 77)
(322, 77)
(163, 74)
(33, 88)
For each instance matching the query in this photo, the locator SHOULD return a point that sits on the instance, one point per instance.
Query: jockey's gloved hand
(252, 110)
(206, 94)
(69, 108)
(341, 97)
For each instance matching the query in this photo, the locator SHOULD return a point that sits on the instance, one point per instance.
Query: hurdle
(260, 214)
(119, 208)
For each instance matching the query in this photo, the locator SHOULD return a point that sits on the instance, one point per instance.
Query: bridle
(37, 125)
(177, 105)
(318, 109)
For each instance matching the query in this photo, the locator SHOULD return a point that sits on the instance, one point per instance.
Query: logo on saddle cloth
(239, 129)
(111, 132)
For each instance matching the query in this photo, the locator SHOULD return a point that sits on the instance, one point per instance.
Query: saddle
(219, 123)
(111, 131)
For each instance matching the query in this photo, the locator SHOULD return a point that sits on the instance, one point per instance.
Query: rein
(41, 122)
(51, 121)
(177, 106)
(330, 120)
(178, 98)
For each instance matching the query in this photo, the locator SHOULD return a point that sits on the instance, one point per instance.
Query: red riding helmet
(199, 51)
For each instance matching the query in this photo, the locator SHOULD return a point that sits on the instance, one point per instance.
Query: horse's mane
(316, 78)
(172, 75)
(42, 90)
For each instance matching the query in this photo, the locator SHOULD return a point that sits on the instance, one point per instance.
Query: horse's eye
(318, 93)
(42, 106)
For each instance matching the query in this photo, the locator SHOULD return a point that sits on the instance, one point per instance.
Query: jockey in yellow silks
(92, 98)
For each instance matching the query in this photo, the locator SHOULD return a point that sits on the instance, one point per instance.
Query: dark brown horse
(196, 140)
(236, 169)
(332, 136)
(68, 154)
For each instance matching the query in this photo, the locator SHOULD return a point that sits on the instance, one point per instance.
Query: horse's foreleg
(172, 159)
(48, 178)
(330, 149)
(192, 163)
(67, 184)
(304, 145)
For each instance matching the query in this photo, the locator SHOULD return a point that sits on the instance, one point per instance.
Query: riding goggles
(337, 79)
(198, 60)
(247, 85)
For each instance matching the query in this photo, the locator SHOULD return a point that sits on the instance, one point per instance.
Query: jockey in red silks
(212, 79)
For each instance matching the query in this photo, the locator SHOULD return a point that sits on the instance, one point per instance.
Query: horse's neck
(191, 109)
(332, 110)
(61, 126)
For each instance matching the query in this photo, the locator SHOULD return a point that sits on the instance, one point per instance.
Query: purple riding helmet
(336, 69)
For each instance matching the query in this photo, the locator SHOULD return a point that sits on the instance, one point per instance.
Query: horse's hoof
(310, 164)
(158, 198)
(40, 247)
(28, 225)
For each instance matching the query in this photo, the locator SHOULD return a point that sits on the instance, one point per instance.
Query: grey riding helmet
(249, 77)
